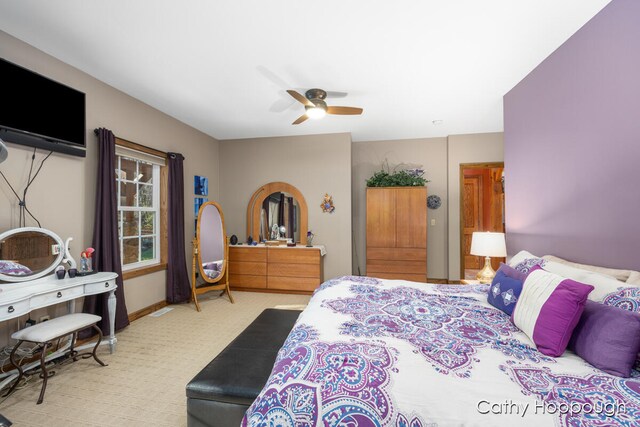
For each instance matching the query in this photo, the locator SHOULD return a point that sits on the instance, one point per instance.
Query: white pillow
(634, 278)
(603, 285)
(622, 275)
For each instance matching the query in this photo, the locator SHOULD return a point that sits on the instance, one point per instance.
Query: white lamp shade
(488, 244)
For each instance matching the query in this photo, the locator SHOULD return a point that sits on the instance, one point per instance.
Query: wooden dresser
(276, 268)
(397, 233)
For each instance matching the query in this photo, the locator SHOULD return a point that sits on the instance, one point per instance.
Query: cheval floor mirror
(210, 253)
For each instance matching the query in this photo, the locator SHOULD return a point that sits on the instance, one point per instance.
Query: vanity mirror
(29, 253)
(281, 204)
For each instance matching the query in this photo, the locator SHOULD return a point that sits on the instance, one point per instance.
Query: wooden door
(472, 217)
(381, 217)
(411, 217)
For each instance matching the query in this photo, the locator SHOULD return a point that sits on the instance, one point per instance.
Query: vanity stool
(46, 332)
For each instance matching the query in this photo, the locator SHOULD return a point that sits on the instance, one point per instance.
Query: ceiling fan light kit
(317, 108)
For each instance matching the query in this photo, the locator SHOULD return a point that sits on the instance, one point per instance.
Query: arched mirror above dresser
(277, 203)
(277, 218)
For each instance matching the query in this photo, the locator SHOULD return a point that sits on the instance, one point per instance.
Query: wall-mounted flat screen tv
(39, 112)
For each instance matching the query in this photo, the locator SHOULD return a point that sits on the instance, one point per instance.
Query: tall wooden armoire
(397, 233)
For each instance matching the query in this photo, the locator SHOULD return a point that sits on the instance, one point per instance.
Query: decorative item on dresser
(297, 269)
(397, 233)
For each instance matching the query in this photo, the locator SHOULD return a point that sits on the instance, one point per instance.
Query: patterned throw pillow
(549, 309)
(14, 269)
(505, 289)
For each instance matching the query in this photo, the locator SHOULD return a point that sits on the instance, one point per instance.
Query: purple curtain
(105, 235)
(178, 286)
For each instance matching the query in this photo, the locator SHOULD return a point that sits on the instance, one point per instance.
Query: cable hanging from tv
(22, 202)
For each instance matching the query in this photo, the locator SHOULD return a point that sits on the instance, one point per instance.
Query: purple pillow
(505, 289)
(608, 338)
(549, 309)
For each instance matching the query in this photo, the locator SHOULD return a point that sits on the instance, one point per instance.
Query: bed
(374, 352)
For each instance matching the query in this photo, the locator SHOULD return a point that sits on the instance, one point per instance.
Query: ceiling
(223, 66)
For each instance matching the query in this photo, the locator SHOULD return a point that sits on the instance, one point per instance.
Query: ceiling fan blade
(300, 119)
(334, 94)
(344, 111)
(330, 93)
(300, 98)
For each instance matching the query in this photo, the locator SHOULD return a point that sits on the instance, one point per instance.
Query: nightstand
(469, 282)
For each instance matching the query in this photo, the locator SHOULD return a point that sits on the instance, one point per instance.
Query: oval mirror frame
(56, 262)
(225, 245)
(255, 205)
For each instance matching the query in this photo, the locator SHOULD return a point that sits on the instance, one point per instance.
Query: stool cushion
(55, 328)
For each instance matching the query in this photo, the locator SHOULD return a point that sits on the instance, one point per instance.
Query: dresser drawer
(50, 298)
(98, 287)
(383, 266)
(397, 254)
(247, 281)
(294, 256)
(292, 283)
(253, 268)
(7, 311)
(294, 270)
(248, 254)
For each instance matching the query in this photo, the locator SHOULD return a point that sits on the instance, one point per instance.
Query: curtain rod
(149, 150)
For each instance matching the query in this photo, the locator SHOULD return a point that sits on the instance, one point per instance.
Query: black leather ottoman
(223, 391)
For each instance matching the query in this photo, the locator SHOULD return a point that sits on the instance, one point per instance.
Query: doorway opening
(481, 209)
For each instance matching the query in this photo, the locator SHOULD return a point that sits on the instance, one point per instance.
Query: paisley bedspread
(373, 352)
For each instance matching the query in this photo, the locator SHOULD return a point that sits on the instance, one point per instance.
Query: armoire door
(411, 217)
(381, 218)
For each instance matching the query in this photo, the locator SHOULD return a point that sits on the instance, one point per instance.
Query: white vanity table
(28, 258)
(18, 299)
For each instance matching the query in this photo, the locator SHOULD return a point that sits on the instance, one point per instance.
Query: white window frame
(131, 155)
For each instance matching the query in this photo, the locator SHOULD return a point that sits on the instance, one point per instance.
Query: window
(140, 231)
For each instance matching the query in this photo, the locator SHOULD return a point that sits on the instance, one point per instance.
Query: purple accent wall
(572, 146)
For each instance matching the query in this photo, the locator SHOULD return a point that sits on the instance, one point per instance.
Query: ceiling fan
(317, 108)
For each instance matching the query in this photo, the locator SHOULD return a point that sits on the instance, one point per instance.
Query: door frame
(463, 166)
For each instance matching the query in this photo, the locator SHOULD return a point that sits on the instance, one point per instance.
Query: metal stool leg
(95, 356)
(72, 352)
(17, 366)
(45, 374)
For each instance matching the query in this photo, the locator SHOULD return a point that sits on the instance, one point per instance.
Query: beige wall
(62, 197)
(431, 153)
(472, 148)
(315, 164)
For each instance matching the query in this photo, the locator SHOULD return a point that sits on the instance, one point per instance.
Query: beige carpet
(144, 384)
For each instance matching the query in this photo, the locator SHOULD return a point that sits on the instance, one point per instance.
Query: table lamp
(488, 244)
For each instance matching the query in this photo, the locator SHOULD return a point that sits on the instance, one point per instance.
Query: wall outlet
(29, 322)
(55, 249)
(44, 318)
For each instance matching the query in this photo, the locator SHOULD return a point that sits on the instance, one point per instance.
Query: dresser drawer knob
(106, 285)
(11, 309)
(59, 295)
